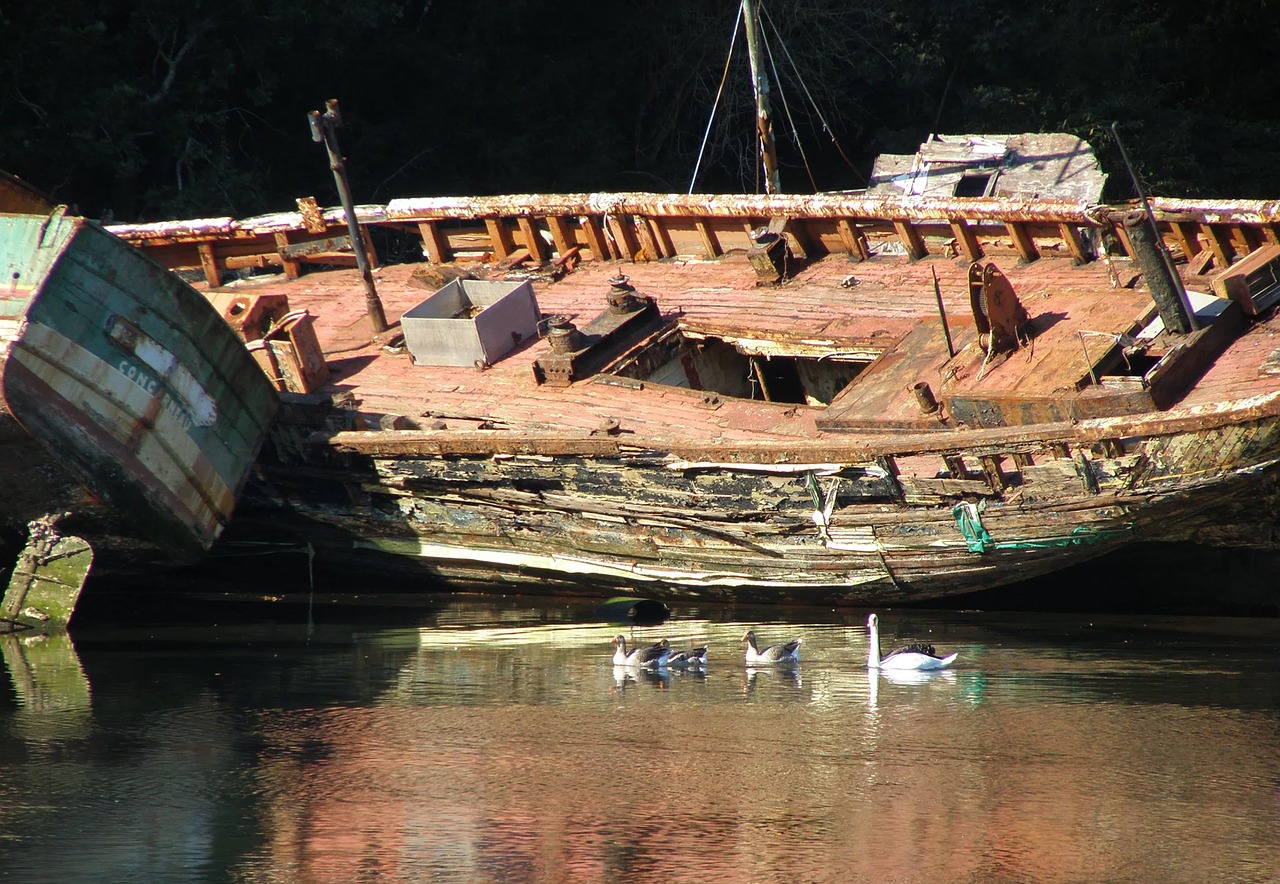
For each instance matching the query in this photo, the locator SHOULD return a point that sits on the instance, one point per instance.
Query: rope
(826, 127)
(795, 133)
(719, 92)
(969, 521)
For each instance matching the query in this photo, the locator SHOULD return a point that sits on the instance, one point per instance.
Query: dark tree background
(151, 109)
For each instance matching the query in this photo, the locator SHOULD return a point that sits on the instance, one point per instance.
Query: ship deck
(832, 306)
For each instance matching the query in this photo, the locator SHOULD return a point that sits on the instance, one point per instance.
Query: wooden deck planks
(835, 302)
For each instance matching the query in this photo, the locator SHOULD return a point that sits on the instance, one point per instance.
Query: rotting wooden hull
(853, 493)
(128, 409)
(770, 522)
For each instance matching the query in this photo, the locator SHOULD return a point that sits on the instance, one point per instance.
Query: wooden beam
(210, 264)
(659, 228)
(955, 466)
(649, 244)
(292, 269)
(500, 241)
(561, 234)
(797, 234)
(855, 241)
(991, 471)
(911, 239)
(312, 216)
(569, 259)
(1022, 241)
(595, 238)
(710, 242)
(533, 240)
(1251, 237)
(366, 236)
(1270, 233)
(515, 259)
(966, 240)
(1219, 244)
(433, 243)
(1201, 263)
(1187, 236)
(240, 262)
(1126, 243)
(1074, 242)
(624, 237)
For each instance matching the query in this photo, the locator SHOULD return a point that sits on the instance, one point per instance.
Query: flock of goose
(915, 657)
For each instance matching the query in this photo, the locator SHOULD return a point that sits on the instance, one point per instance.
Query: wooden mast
(760, 85)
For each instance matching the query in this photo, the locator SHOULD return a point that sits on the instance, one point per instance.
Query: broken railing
(539, 229)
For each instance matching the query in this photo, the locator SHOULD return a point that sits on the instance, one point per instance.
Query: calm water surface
(497, 742)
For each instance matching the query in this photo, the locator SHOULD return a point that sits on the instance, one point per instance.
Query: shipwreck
(130, 413)
(970, 374)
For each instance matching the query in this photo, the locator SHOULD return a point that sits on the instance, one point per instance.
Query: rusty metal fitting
(621, 296)
(563, 335)
(924, 397)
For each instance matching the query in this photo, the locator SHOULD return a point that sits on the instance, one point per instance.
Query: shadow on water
(278, 582)
(1147, 579)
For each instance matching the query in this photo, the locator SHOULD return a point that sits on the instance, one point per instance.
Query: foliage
(149, 109)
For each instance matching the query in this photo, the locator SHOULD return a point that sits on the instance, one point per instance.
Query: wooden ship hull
(856, 399)
(130, 414)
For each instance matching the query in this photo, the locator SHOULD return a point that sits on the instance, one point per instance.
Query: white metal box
(471, 322)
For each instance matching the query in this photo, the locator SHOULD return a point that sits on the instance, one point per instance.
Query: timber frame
(637, 227)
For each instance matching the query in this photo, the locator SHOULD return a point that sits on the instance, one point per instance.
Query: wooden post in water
(324, 128)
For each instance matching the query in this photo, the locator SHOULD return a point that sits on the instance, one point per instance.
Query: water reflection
(630, 675)
(48, 682)
(779, 675)
(502, 744)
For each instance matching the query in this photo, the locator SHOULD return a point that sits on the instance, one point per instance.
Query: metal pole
(760, 85)
(942, 311)
(324, 127)
(1176, 279)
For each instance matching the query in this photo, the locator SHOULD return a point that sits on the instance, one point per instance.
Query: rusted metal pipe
(324, 128)
(1165, 286)
(924, 397)
(1088, 363)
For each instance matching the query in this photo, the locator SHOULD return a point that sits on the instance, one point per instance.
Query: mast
(760, 85)
(324, 128)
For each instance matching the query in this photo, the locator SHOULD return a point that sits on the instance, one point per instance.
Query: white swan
(652, 657)
(916, 656)
(788, 653)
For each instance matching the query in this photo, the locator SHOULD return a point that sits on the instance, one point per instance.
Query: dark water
(476, 741)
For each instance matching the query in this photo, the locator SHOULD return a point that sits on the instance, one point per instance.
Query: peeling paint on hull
(731, 531)
(136, 410)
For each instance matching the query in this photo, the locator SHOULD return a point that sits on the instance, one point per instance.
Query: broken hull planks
(1063, 451)
(126, 402)
(842, 532)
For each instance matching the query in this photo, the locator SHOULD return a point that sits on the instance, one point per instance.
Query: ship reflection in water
(494, 742)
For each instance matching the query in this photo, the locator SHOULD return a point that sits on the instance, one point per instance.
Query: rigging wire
(719, 92)
(786, 107)
(826, 127)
